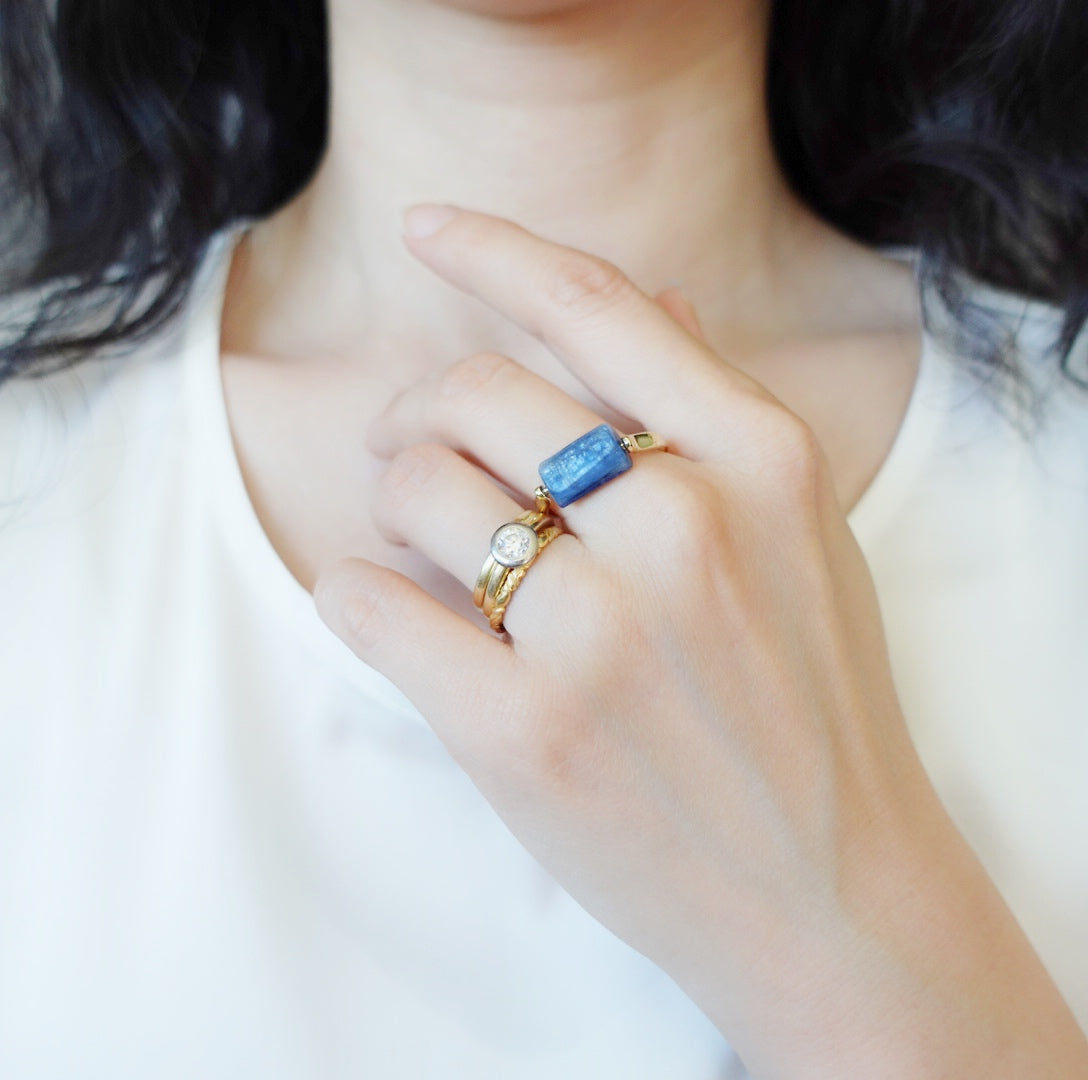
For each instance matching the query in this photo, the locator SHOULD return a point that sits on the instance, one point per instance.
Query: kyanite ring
(597, 457)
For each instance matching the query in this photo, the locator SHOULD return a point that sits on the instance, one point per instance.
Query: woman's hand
(692, 722)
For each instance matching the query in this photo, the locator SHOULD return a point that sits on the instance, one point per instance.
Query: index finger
(621, 344)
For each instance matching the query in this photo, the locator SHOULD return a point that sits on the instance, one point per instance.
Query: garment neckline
(293, 605)
(284, 599)
(928, 403)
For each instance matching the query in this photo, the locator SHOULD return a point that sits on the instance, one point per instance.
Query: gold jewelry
(643, 440)
(514, 548)
(599, 456)
(510, 545)
(514, 577)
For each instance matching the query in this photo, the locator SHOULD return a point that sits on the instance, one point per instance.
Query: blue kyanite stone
(582, 467)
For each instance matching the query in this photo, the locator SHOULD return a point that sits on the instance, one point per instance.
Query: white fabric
(228, 849)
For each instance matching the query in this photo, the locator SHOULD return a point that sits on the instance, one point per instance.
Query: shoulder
(66, 437)
(1029, 399)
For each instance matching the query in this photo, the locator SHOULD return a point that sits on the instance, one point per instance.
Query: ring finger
(442, 506)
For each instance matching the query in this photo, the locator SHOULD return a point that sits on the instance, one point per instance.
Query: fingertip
(350, 596)
(424, 220)
(675, 302)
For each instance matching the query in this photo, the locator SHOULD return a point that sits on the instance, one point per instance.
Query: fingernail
(425, 220)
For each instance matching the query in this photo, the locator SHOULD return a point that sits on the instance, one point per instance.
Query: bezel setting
(514, 545)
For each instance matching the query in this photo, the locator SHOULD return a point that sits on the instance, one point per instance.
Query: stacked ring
(579, 468)
(513, 579)
(514, 548)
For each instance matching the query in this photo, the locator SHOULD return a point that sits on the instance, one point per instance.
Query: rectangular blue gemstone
(582, 467)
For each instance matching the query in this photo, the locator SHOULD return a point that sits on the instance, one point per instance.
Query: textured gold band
(535, 519)
(513, 578)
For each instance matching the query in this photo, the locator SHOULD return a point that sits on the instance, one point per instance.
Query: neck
(634, 129)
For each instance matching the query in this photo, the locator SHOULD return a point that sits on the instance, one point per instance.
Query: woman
(683, 811)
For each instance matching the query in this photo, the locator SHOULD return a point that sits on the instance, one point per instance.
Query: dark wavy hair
(131, 132)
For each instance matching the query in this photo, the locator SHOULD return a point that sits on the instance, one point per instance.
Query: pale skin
(691, 722)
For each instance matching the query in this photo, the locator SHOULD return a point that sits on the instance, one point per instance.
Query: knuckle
(583, 596)
(361, 619)
(564, 755)
(791, 461)
(689, 516)
(591, 606)
(557, 755)
(798, 457)
(583, 285)
(468, 377)
(364, 608)
(412, 473)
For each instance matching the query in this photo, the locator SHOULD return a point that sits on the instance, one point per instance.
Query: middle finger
(499, 415)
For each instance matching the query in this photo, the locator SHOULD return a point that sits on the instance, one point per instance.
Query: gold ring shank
(641, 441)
(513, 579)
(492, 567)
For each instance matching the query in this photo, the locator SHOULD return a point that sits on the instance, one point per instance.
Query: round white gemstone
(514, 545)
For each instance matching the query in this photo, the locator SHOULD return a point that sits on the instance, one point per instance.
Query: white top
(228, 849)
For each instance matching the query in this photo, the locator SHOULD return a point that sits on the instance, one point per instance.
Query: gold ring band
(514, 548)
(643, 440)
(534, 519)
(513, 578)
